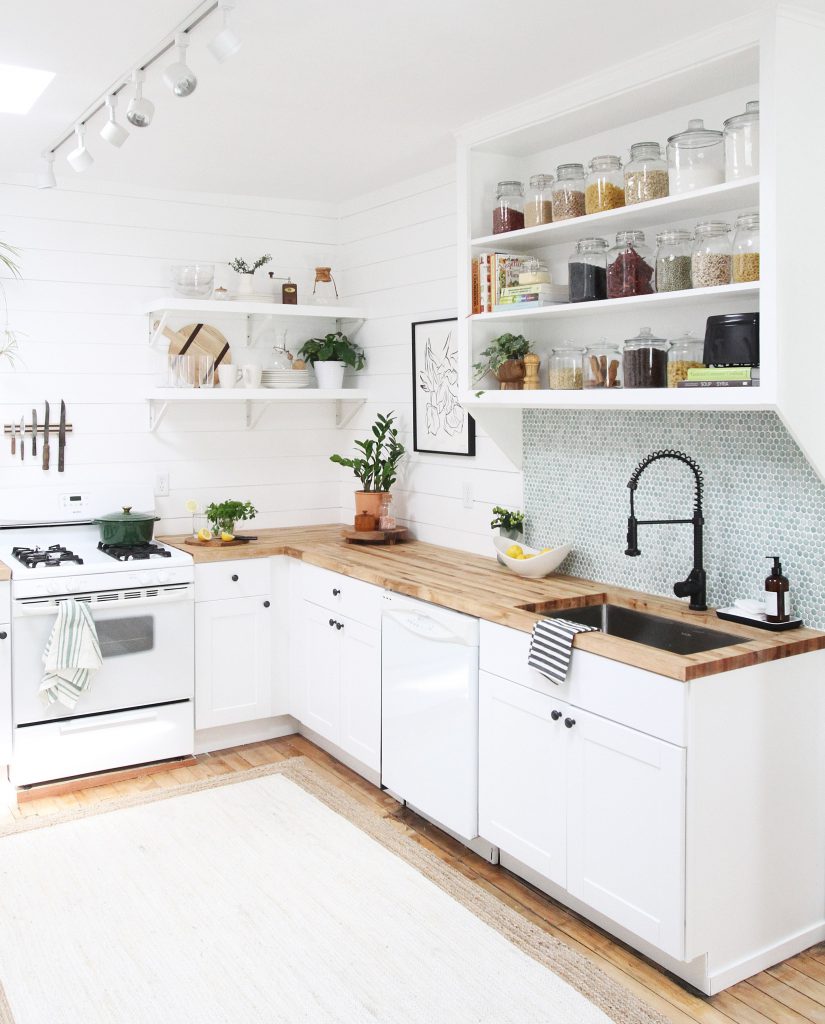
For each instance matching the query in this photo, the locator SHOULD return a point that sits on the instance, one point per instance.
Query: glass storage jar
(568, 192)
(508, 214)
(602, 366)
(695, 158)
(587, 271)
(710, 262)
(604, 188)
(644, 361)
(629, 266)
(746, 248)
(564, 369)
(742, 143)
(645, 177)
(539, 206)
(532, 270)
(685, 354)
(673, 253)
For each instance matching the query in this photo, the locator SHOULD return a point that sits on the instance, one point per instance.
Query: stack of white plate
(286, 378)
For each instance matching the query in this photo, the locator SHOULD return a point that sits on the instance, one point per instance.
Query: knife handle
(46, 455)
(60, 451)
(13, 444)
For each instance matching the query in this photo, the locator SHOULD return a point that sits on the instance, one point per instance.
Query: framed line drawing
(440, 423)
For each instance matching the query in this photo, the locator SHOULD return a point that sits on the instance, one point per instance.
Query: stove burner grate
(52, 556)
(133, 552)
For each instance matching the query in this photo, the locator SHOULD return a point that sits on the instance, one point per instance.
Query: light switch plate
(467, 495)
(161, 485)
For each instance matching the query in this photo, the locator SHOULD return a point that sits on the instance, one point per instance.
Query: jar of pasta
(604, 188)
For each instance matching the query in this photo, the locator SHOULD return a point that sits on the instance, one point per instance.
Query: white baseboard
(370, 774)
(732, 973)
(223, 736)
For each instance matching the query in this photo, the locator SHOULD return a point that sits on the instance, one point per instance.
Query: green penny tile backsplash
(760, 498)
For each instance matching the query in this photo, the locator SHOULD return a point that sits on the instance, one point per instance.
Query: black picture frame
(435, 371)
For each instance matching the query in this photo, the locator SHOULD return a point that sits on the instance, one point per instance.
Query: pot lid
(128, 516)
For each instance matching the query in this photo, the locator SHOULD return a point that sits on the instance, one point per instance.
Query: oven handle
(135, 602)
(102, 722)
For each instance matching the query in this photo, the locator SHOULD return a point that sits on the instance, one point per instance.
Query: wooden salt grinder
(532, 363)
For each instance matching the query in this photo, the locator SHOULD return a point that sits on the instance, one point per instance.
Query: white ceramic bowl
(531, 568)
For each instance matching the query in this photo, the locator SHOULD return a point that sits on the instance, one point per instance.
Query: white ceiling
(326, 99)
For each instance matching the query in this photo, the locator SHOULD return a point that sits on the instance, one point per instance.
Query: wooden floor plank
(800, 981)
(736, 1010)
(767, 1004)
(809, 966)
(807, 1008)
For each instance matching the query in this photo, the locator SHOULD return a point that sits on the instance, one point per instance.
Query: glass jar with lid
(645, 177)
(742, 143)
(587, 270)
(539, 206)
(695, 158)
(564, 368)
(673, 258)
(710, 262)
(604, 188)
(533, 270)
(746, 248)
(629, 266)
(568, 192)
(508, 213)
(644, 361)
(685, 354)
(602, 366)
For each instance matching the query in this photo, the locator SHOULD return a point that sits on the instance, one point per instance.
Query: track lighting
(45, 171)
(178, 77)
(80, 158)
(227, 42)
(112, 132)
(140, 110)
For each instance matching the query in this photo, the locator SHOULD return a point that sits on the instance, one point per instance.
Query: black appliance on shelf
(732, 339)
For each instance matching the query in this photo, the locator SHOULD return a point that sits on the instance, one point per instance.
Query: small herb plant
(333, 348)
(500, 349)
(377, 464)
(507, 520)
(240, 266)
(223, 515)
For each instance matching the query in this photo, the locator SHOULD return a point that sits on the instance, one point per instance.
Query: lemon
(192, 506)
(204, 534)
(528, 556)
(226, 537)
(544, 551)
(514, 551)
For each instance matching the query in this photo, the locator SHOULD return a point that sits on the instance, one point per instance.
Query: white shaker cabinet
(5, 693)
(321, 671)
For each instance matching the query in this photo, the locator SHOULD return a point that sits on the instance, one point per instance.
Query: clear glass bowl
(194, 280)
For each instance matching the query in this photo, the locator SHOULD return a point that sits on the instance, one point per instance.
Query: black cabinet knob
(3, 635)
(570, 722)
(339, 625)
(335, 592)
(234, 579)
(555, 715)
(332, 622)
(266, 604)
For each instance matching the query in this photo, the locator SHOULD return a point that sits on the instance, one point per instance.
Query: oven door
(147, 639)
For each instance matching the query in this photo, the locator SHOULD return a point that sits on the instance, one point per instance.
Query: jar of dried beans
(746, 248)
(673, 252)
(539, 206)
(685, 354)
(742, 143)
(695, 158)
(710, 262)
(564, 369)
(629, 266)
(508, 214)
(645, 177)
(568, 192)
(604, 188)
(644, 361)
(602, 366)
(587, 271)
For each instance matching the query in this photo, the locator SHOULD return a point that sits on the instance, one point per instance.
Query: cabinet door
(5, 693)
(361, 692)
(522, 757)
(322, 672)
(626, 828)
(233, 661)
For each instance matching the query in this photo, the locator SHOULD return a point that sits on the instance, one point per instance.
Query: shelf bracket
(352, 330)
(254, 412)
(158, 330)
(156, 413)
(345, 410)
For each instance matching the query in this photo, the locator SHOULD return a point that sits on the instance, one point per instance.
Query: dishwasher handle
(427, 627)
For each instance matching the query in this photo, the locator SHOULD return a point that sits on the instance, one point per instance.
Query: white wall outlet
(161, 485)
(467, 495)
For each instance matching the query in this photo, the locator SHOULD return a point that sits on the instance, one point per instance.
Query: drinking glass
(205, 372)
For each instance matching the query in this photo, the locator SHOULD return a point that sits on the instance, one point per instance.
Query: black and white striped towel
(551, 647)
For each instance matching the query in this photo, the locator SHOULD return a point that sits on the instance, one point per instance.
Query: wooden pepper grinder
(532, 362)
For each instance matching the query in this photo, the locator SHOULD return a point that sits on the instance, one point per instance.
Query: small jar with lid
(695, 158)
(746, 248)
(685, 354)
(645, 177)
(604, 188)
(538, 209)
(568, 192)
(508, 213)
(564, 369)
(629, 266)
(644, 361)
(711, 262)
(533, 270)
(673, 259)
(587, 270)
(742, 143)
(602, 366)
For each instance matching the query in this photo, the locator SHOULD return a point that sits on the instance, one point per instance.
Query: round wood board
(400, 533)
(209, 341)
(214, 543)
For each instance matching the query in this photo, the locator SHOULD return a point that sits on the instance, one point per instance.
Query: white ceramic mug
(251, 376)
(227, 375)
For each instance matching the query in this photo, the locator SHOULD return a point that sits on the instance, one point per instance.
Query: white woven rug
(255, 901)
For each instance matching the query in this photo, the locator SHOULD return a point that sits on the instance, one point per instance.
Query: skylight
(21, 87)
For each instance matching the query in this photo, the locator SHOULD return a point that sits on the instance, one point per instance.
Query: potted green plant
(246, 272)
(224, 515)
(504, 358)
(376, 464)
(509, 524)
(330, 356)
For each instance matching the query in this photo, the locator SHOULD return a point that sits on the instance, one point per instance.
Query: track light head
(227, 42)
(140, 110)
(45, 172)
(178, 76)
(112, 132)
(80, 158)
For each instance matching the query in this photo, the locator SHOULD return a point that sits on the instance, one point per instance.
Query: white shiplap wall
(398, 259)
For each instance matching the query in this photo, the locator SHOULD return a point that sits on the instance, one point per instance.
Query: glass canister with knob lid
(695, 158)
(742, 143)
(685, 353)
(508, 213)
(587, 271)
(746, 248)
(644, 361)
(710, 262)
(629, 266)
(645, 176)
(568, 192)
(602, 366)
(564, 368)
(604, 188)
(673, 260)
(538, 209)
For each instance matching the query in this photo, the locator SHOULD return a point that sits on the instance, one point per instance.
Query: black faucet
(695, 586)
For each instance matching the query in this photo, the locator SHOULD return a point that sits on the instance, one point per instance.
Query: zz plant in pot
(504, 358)
(375, 465)
(330, 356)
(223, 516)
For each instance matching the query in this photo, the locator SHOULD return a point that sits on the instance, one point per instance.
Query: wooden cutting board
(207, 342)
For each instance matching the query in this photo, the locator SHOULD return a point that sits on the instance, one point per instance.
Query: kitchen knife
(34, 432)
(13, 439)
(22, 437)
(46, 439)
(61, 438)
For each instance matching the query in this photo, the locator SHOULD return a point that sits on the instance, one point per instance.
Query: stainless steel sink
(652, 630)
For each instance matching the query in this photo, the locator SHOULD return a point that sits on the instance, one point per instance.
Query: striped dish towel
(71, 656)
(551, 646)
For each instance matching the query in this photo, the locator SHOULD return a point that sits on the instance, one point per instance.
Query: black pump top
(777, 565)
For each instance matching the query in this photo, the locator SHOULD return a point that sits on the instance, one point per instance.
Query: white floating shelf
(250, 306)
(733, 195)
(621, 398)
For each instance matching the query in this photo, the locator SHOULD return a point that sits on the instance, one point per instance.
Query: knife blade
(34, 432)
(22, 437)
(46, 439)
(61, 438)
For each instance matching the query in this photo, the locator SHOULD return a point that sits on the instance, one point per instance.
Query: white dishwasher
(429, 713)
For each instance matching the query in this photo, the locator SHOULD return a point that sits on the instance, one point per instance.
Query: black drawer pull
(570, 722)
(234, 579)
(339, 625)
(555, 715)
(3, 635)
(266, 604)
(332, 622)
(335, 592)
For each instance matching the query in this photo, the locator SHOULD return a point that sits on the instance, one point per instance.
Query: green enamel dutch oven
(127, 528)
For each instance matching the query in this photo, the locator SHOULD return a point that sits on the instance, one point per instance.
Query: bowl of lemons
(533, 563)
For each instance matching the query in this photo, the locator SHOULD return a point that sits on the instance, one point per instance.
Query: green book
(721, 373)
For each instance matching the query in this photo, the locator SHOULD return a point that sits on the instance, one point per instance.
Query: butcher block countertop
(5, 572)
(481, 587)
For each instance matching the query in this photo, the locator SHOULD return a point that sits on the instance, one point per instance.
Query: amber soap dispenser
(777, 593)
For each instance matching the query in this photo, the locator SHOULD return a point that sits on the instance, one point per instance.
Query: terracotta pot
(370, 502)
(511, 375)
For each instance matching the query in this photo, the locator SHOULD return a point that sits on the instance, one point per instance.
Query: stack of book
(721, 377)
(495, 284)
(527, 295)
